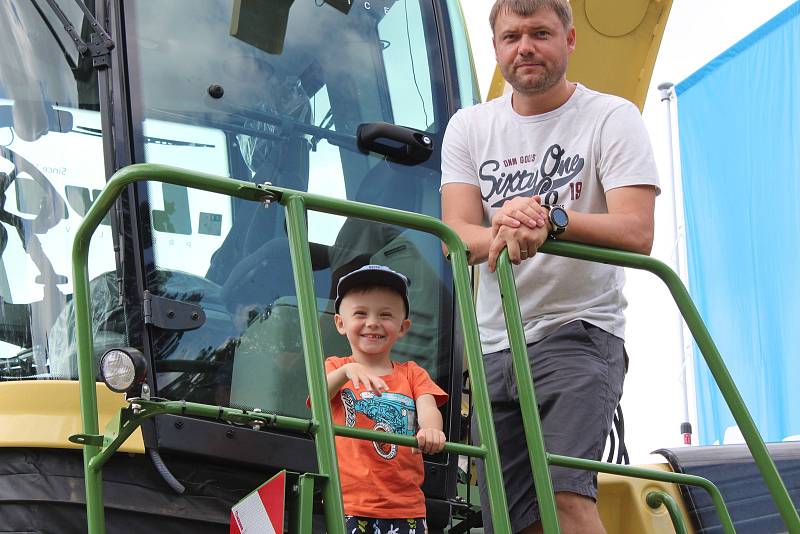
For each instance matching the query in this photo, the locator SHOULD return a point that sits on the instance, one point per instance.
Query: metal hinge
(169, 314)
(100, 43)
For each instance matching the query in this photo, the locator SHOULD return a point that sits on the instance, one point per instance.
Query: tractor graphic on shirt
(391, 412)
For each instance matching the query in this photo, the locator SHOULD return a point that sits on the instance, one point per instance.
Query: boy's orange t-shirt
(382, 480)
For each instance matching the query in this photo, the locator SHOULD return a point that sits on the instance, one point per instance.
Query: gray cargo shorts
(578, 372)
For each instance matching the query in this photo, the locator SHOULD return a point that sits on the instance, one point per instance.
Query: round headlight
(123, 368)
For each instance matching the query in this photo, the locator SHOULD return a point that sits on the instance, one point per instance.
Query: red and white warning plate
(261, 512)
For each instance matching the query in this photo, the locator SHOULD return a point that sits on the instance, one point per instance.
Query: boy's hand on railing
(431, 440)
(360, 375)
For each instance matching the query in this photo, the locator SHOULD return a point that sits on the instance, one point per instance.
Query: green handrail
(315, 369)
(655, 499)
(128, 420)
(531, 422)
(98, 448)
(701, 335)
(652, 474)
(80, 275)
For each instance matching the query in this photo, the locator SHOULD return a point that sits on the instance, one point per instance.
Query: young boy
(381, 482)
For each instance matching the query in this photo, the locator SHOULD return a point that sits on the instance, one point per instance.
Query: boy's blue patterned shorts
(369, 525)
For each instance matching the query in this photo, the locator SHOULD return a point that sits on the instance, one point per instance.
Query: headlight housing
(123, 369)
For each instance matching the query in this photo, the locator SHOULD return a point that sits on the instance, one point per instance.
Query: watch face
(559, 217)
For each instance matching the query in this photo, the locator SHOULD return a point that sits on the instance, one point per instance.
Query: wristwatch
(558, 220)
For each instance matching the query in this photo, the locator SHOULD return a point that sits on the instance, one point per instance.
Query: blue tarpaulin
(739, 124)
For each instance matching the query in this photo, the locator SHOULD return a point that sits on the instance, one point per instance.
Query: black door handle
(399, 144)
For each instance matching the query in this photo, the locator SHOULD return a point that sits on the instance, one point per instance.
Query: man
(513, 162)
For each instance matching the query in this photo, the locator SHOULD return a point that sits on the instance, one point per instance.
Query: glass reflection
(51, 169)
(287, 118)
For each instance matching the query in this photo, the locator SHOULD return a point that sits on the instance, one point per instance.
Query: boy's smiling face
(373, 321)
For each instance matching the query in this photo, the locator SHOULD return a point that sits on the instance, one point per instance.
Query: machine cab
(280, 92)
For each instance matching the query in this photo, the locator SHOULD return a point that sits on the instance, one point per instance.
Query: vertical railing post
(93, 477)
(480, 391)
(315, 369)
(303, 507)
(527, 397)
(87, 372)
(708, 349)
(747, 426)
(655, 499)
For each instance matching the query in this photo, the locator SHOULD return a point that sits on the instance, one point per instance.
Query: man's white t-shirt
(572, 155)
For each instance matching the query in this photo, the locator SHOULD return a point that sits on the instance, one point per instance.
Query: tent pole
(667, 90)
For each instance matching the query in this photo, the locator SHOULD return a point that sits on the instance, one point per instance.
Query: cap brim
(372, 277)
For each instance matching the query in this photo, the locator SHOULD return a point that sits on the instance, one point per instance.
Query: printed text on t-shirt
(554, 171)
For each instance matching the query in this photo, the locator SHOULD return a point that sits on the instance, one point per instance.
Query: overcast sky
(697, 31)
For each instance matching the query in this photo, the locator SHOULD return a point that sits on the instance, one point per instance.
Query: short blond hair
(523, 8)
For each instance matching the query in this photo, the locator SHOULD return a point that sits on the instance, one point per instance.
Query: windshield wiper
(54, 34)
(100, 43)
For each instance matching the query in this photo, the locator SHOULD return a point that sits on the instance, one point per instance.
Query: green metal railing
(540, 459)
(98, 448)
(655, 499)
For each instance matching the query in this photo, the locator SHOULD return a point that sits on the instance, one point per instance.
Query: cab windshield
(281, 104)
(284, 111)
(51, 170)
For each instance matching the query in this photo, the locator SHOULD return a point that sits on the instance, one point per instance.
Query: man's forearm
(476, 238)
(624, 231)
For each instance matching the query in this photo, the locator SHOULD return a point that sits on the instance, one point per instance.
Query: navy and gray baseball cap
(369, 275)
